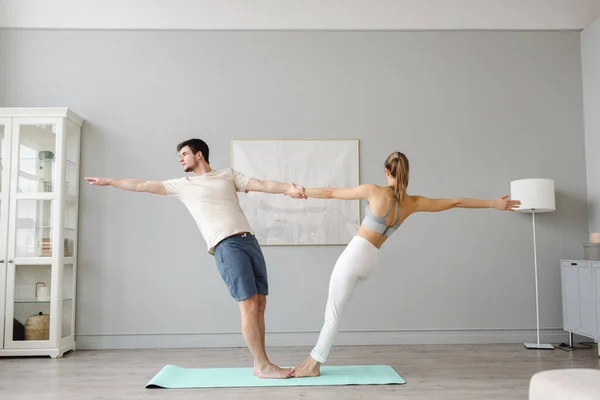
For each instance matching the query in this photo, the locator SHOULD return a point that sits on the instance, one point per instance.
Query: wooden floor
(432, 372)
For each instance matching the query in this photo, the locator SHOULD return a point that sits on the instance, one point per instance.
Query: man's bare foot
(273, 371)
(309, 367)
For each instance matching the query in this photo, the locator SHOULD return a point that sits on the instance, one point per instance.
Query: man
(211, 198)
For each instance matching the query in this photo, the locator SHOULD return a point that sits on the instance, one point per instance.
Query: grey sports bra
(377, 224)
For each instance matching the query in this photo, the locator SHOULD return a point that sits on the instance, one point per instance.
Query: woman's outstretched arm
(425, 204)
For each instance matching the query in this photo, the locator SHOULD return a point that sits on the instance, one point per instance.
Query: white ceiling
(300, 14)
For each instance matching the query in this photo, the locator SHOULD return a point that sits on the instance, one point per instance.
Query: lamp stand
(538, 345)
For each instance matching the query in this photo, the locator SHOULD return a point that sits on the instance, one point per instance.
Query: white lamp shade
(535, 195)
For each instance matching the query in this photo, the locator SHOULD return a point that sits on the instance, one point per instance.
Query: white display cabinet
(39, 200)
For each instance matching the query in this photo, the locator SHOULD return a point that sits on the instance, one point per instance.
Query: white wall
(446, 280)
(470, 109)
(590, 59)
(300, 14)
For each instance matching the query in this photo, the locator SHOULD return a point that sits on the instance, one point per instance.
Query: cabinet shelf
(35, 301)
(43, 228)
(41, 261)
(53, 160)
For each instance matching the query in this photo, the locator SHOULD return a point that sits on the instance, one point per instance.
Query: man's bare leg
(309, 367)
(263, 368)
(262, 306)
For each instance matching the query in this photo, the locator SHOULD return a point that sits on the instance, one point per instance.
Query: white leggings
(354, 265)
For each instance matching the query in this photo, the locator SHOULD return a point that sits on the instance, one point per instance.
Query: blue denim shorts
(242, 266)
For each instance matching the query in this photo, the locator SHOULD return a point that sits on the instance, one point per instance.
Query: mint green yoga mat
(173, 377)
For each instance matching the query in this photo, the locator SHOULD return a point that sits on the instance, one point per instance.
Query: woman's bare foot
(273, 371)
(309, 367)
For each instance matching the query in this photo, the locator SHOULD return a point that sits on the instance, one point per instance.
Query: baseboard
(279, 339)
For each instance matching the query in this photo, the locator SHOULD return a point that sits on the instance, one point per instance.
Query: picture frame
(280, 220)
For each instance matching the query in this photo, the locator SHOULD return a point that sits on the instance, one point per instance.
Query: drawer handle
(573, 263)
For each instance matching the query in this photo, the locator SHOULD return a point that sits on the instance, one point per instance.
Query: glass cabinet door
(70, 217)
(72, 149)
(36, 155)
(32, 257)
(33, 180)
(68, 301)
(5, 130)
(29, 314)
(5, 135)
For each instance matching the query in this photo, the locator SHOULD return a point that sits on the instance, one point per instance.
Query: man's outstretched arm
(266, 186)
(135, 185)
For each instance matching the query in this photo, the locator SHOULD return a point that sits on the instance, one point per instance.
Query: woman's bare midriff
(376, 239)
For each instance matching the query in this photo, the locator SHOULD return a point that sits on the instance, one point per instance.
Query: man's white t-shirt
(212, 200)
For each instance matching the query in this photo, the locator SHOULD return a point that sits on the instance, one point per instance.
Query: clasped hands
(296, 191)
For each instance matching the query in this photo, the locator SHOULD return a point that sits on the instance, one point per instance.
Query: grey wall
(472, 110)
(590, 56)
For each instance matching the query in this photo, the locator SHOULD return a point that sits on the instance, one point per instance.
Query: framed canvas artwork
(280, 220)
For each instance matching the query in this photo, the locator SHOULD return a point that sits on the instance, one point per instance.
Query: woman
(388, 206)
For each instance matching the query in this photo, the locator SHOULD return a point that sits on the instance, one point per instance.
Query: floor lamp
(536, 196)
